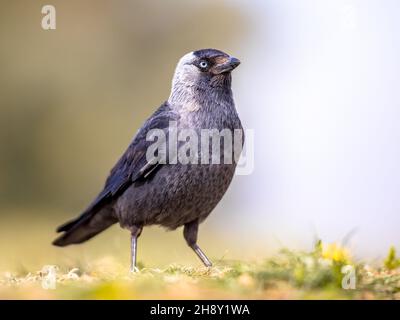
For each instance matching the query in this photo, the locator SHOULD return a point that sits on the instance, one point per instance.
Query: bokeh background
(318, 84)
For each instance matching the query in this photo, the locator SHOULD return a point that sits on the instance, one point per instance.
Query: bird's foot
(135, 269)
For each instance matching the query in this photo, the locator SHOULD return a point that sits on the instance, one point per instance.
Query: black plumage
(138, 192)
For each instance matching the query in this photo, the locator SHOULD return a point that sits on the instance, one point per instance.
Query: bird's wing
(133, 165)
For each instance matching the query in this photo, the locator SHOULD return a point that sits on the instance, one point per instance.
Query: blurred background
(318, 84)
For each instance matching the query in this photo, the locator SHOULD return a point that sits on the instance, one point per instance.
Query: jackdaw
(140, 191)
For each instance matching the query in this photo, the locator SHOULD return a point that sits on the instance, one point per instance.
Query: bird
(140, 192)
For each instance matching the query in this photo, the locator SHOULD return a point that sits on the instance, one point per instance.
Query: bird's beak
(227, 66)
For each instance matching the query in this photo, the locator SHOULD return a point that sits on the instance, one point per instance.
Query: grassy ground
(288, 275)
(99, 270)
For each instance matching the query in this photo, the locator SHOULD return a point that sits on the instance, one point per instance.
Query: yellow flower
(335, 252)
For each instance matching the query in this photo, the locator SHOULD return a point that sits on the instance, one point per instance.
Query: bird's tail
(86, 226)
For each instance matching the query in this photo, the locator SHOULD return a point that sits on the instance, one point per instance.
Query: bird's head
(205, 68)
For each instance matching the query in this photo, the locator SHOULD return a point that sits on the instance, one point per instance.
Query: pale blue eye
(203, 64)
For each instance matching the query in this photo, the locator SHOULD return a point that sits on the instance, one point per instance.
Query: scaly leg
(135, 233)
(190, 235)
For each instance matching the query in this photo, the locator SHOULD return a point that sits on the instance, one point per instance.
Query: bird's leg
(135, 233)
(190, 233)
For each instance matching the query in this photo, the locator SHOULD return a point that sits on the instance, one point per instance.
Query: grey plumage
(136, 193)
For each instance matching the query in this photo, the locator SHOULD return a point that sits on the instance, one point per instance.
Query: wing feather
(133, 164)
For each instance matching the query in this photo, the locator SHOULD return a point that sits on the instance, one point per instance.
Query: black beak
(228, 66)
(233, 62)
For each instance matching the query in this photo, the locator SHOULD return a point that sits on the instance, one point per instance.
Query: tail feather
(71, 223)
(84, 227)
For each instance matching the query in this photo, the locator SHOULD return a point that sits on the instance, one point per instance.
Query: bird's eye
(203, 64)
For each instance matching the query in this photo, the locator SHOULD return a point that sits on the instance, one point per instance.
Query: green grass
(100, 269)
(287, 275)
